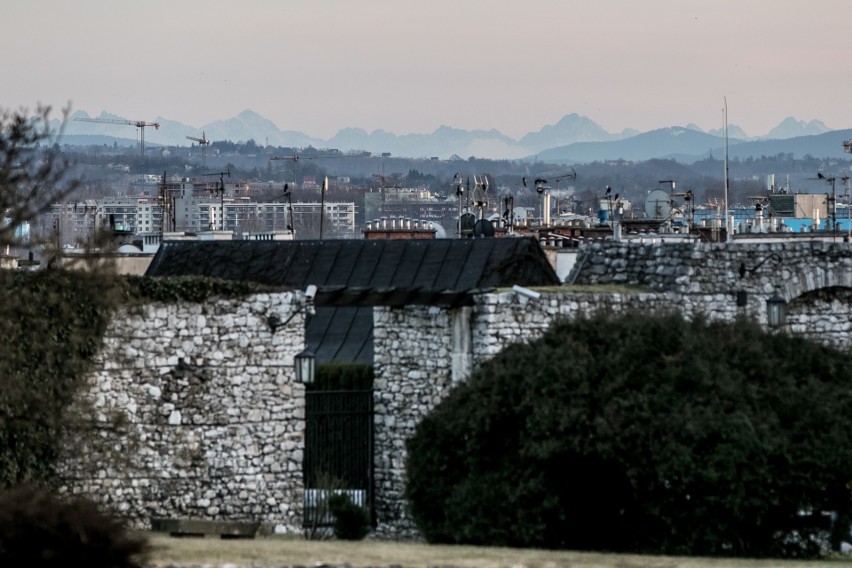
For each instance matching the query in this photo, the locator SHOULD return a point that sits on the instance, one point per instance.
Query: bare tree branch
(33, 172)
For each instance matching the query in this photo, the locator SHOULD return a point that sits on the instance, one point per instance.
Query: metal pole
(833, 211)
(460, 214)
(322, 212)
(323, 189)
(848, 214)
(727, 228)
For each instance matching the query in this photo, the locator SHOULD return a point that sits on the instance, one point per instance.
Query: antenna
(832, 199)
(459, 188)
(221, 189)
(480, 194)
(289, 221)
(509, 213)
(543, 191)
(167, 224)
(848, 237)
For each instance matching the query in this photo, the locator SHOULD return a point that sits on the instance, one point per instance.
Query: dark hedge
(642, 434)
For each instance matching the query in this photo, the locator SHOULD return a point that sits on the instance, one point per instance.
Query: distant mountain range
(574, 139)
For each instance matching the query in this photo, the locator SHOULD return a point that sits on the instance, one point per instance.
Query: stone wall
(212, 420)
(790, 268)
(824, 315)
(198, 413)
(413, 372)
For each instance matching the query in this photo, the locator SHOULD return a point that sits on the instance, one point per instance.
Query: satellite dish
(483, 228)
(440, 232)
(658, 204)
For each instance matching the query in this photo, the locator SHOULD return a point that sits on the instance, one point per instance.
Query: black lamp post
(305, 363)
(776, 311)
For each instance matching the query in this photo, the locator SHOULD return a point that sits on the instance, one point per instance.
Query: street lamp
(776, 311)
(305, 363)
(832, 199)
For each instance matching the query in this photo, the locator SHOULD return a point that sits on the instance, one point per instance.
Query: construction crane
(382, 183)
(295, 158)
(572, 175)
(203, 142)
(140, 124)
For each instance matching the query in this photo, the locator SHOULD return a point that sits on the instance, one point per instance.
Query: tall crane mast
(140, 124)
(203, 142)
(296, 158)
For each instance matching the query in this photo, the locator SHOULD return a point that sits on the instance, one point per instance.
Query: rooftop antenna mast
(848, 238)
(323, 191)
(167, 224)
(480, 194)
(572, 175)
(288, 216)
(457, 183)
(544, 192)
(221, 190)
(831, 200)
(289, 195)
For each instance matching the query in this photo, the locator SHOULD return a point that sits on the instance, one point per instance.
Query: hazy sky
(408, 66)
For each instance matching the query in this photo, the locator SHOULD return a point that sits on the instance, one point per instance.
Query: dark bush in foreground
(646, 434)
(39, 530)
(351, 521)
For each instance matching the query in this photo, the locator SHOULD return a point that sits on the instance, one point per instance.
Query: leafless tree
(33, 172)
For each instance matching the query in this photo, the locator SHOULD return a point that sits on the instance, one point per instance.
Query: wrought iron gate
(338, 450)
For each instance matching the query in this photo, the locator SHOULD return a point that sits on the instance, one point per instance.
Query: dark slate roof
(366, 272)
(341, 334)
(353, 275)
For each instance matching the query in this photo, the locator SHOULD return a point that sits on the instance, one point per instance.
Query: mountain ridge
(573, 135)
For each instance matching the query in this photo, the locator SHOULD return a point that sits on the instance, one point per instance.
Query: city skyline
(405, 68)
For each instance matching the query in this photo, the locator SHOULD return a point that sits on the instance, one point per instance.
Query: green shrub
(53, 324)
(351, 521)
(173, 289)
(39, 530)
(645, 434)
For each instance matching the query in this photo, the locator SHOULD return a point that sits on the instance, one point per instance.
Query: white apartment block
(77, 221)
(199, 213)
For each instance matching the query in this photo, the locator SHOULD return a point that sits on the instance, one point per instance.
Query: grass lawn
(290, 551)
